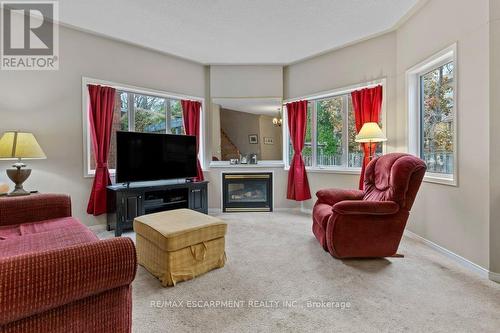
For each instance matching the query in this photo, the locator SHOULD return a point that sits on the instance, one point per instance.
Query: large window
(432, 99)
(138, 112)
(330, 133)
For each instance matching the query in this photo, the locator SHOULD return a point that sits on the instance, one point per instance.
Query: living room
(273, 100)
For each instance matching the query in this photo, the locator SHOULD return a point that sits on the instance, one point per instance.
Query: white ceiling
(236, 31)
(262, 106)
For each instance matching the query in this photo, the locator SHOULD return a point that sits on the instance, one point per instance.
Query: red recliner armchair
(369, 223)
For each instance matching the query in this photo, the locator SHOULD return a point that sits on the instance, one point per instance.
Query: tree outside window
(437, 119)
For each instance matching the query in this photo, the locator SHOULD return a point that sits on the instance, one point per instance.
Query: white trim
(494, 276)
(304, 209)
(87, 172)
(339, 91)
(481, 271)
(214, 211)
(329, 94)
(413, 108)
(260, 164)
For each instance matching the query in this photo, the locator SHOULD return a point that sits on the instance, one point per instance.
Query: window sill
(260, 164)
(440, 180)
(341, 171)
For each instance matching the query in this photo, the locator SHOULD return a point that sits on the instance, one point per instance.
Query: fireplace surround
(247, 192)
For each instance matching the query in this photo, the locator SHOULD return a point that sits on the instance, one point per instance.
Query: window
(432, 96)
(135, 111)
(330, 133)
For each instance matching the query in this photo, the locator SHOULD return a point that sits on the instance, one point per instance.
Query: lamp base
(18, 176)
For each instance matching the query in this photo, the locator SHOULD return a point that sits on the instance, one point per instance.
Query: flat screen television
(150, 156)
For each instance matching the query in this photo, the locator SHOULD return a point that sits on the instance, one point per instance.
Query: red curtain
(298, 185)
(366, 104)
(101, 109)
(191, 115)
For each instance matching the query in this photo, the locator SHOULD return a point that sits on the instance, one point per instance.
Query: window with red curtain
(367, 104)
(101, 111)
(298, 184)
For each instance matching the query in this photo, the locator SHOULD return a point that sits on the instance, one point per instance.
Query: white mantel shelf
(226, 165)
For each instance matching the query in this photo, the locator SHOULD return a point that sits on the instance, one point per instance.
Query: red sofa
(369, 223)
(56, 275)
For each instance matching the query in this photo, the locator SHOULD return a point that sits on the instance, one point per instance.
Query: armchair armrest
(334, 195)
(36, 282)
(33, 208)
(357, 207)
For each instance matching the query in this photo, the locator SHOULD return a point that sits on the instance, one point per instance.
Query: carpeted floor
(283, 281)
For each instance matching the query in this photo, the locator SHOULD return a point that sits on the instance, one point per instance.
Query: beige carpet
(274, 261)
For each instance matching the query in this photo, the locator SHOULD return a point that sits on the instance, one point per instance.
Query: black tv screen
(149, 156)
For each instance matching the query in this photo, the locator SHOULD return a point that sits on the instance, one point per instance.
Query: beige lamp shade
(370, 132)
(20, 145)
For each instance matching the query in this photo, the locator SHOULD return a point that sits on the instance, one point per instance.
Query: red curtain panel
(191, 115)
(101, 107)
(366, 104)
(298, 185)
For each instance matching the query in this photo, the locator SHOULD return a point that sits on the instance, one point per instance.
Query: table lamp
(370, 133)
(16, 145)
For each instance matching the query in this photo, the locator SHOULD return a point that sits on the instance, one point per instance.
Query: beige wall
(50, 104)
(246, 81)
(268, 130)
(362, 62)
(456, 218)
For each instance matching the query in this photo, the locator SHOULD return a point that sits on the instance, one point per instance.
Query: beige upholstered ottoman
(180, 244)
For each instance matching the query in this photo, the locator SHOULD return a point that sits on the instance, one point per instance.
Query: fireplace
(247, 192)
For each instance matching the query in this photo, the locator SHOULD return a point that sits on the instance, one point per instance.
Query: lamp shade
(370, 132)
(20, 145)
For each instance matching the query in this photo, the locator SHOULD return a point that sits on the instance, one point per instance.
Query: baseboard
(305, 210)
(481, 271)
(214, 211)
(494, 277)
(97, 227)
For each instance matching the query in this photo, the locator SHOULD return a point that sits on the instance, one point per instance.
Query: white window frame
(325, 95)
(87, 150)
(413, 95)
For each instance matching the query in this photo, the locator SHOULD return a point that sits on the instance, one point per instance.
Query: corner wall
(456, 218)
(363, 62)
(49, 103)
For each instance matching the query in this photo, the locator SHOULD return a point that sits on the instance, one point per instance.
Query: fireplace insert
(247, 192)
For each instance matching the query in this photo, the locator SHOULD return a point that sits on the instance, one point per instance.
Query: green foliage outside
(150, 113)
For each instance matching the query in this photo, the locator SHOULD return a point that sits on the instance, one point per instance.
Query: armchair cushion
(356, 207)
(333, 195)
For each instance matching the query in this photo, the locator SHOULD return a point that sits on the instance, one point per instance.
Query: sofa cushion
(43, 236)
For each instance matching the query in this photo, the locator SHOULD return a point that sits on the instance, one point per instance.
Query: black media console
(127, 202)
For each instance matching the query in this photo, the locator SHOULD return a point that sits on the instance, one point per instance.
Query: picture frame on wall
(253, 139)
(268, 141)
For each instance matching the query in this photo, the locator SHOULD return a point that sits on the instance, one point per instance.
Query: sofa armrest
(334, 195)
(36, 282)
(357, 207)
(33, 208)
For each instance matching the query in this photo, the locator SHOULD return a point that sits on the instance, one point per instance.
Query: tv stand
(134, 199)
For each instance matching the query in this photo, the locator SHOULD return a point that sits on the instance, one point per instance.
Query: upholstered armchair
(369, 223)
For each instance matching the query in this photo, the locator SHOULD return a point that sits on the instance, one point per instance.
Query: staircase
(228, 148)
